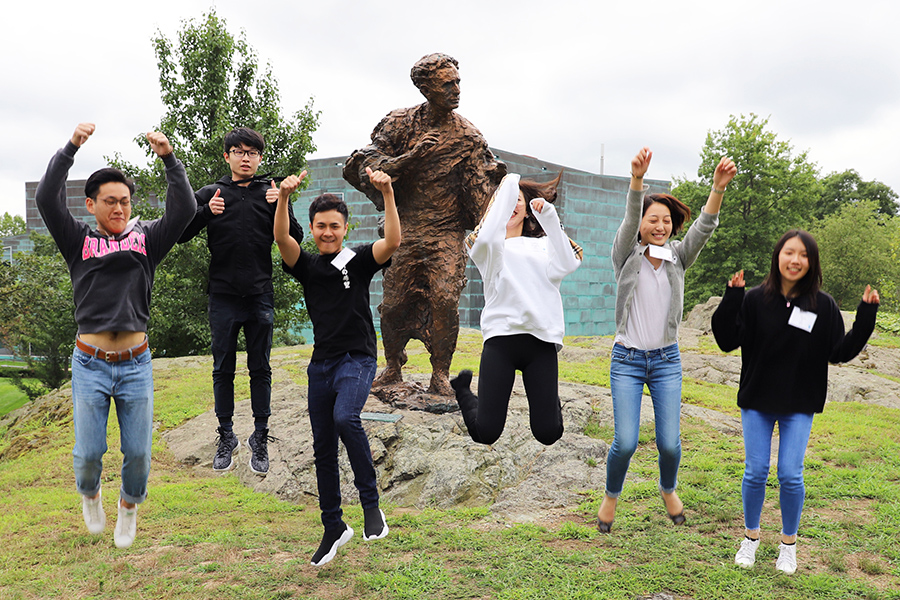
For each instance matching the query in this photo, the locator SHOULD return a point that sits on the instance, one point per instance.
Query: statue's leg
(394, 328)
(447, 278)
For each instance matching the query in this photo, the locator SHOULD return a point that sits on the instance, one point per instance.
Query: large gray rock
(425, 459)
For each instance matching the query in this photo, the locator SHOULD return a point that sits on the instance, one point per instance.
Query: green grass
(11, 397)
(205, 536)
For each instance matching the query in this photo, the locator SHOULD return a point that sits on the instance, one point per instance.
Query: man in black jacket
(238, 212)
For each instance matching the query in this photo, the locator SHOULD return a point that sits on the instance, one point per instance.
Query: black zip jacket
(240, 238)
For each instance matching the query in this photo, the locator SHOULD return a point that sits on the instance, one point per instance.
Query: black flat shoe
(603, 526)
(678, 519)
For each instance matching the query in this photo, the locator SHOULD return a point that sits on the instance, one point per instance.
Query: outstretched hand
(288, 186)
(82, 133)
(641, 162)
(870, 296)
(724, 173)
(737, 280)
(380, 180)
(160, 143)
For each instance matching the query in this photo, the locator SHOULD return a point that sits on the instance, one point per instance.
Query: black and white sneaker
(227, 445)
(259, 451)
(330, 543)
(376, 525)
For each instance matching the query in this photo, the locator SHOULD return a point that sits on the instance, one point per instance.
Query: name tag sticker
(344, 256)
(802, 319)
(661, 252)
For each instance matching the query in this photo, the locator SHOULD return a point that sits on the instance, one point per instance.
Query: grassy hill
(202, 535)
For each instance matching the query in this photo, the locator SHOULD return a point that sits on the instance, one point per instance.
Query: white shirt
(646, 326)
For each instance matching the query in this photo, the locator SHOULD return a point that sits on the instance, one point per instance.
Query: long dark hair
(531, 190)
(809, 286)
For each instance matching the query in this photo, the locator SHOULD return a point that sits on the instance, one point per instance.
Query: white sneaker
(746, 554)
(787, 559)
(92, 511)
(126, 526)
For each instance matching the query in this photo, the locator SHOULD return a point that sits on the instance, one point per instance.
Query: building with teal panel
(591, 207)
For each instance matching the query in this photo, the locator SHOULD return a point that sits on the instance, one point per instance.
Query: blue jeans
(256, 314)
(660, 370)
(338, 388)
(130, 384)
(793, 434)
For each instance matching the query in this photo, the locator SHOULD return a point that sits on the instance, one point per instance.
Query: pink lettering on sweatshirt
(100, 247)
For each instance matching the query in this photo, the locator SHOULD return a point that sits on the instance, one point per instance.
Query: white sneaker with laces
(787, 559)
(92, 511)
(746, 554)
(126, 526)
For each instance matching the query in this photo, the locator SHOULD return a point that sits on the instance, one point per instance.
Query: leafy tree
(11, 225)
(773, 191)
(38, 316)
(859, 246)
(848, 187)
(211, 82)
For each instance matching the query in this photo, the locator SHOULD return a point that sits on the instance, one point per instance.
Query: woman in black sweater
(788, 331)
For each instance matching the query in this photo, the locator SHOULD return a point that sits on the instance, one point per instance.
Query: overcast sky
(553, 79)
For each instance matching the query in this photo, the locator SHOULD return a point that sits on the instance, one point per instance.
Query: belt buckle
(112, 357)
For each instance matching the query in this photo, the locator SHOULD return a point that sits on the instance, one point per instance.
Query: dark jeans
(501, 357)
(256, 314)
(338, 388)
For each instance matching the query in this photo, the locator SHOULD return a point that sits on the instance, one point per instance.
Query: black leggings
(501, 357)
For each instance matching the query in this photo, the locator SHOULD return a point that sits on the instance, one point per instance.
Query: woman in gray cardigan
(649, 273)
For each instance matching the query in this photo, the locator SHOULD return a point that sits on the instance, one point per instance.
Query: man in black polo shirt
(238, 212)
(336, 286)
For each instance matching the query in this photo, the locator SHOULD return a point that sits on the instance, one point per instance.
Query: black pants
(500, 359)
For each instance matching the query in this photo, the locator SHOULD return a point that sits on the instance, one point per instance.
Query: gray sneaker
(227, 445)
(258, 442)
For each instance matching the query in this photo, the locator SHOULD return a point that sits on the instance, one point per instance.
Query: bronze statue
(445, 174)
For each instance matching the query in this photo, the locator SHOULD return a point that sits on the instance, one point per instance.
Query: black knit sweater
(784, 369)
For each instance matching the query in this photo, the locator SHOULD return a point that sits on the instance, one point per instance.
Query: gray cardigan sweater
(626, 259)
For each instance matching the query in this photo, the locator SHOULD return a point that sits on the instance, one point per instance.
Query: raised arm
(487, 241)
(728, 321)
(850, 344)
(180, 203)
(50, 195)
(724, 173)
(564, 258)
(383, 249)
(627, 233)
(288, 246)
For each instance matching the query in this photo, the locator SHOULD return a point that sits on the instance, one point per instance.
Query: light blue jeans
(130, 384)
(660, 370)
(793, 435)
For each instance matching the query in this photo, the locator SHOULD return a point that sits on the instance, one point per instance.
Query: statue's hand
(428, 141)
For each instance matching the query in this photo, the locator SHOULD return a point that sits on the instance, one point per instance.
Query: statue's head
(437, 78)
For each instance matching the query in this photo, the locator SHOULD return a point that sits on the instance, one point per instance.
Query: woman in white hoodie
(523, 255)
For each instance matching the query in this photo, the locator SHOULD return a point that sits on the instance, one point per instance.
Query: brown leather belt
(112, 356)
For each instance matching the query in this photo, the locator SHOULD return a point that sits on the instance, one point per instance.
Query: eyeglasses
(111, 202)
(240, 153)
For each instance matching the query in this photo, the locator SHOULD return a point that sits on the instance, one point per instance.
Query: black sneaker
(375, 527)
(227, 446)
(331, 541)
(259, 455)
